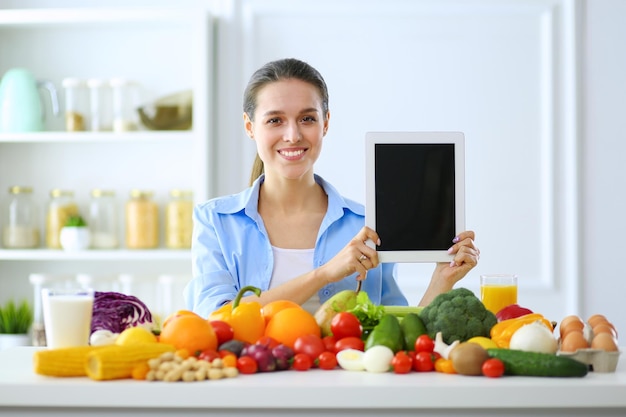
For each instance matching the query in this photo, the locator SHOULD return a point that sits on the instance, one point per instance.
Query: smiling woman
(291, 233)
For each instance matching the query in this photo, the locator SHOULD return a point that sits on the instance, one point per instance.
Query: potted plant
(15, 322)
(75, 234)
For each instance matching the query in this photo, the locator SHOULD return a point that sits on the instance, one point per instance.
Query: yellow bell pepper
(246, 319)
(502, 332)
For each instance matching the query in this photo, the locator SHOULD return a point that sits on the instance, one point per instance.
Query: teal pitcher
(21, 108)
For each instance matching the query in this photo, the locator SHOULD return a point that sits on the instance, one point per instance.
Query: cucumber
(521, 363)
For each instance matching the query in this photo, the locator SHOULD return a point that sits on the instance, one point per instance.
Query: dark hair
(283, 69)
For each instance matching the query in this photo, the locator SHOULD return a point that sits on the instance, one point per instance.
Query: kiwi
(468, 358)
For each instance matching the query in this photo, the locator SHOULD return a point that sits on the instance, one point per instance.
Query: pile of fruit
(455, 334)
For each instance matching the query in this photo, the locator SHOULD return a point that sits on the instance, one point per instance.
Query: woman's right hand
(356, 256)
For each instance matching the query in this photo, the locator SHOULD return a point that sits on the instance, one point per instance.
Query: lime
(485, 342)
(135, 336)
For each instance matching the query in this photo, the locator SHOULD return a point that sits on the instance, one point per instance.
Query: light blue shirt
(231, 249)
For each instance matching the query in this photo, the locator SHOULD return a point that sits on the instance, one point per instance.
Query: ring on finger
(362, 258)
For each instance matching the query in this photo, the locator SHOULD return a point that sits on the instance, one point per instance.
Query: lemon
(135, 336)
(485, 342)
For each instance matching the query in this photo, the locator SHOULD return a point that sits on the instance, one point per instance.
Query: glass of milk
(67, 316)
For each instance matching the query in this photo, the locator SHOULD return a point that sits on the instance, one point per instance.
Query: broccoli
(459, 315)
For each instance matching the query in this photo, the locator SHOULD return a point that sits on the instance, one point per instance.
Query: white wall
(603, 200)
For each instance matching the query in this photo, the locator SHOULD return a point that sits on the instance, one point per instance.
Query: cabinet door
(501, 72)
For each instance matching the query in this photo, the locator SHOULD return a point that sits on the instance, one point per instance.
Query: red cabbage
(115, 312)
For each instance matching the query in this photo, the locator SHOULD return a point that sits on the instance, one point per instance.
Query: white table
(311, 393)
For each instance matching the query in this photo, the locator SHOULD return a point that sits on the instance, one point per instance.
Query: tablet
(415, 193)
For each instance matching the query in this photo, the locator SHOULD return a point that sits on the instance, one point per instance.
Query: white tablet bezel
(374, 138)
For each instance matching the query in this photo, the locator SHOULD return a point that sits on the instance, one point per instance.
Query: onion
(534, 337)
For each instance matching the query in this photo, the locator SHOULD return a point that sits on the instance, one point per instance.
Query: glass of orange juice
(498, 291)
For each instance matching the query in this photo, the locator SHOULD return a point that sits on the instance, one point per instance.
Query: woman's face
(288, 127)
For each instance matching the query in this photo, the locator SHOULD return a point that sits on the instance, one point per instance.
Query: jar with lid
(60, 207)
(100, 105)
(124, 102)
(76, 104)
(103, 219)
(178, 219)
(21, 228)
(142, 220)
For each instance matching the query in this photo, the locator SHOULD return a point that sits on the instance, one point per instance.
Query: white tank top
(290, 263)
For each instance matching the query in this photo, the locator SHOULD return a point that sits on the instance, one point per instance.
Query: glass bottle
(142, 220)
(103, 219)
(21, 228)
(75, 104)
(178, 219)
(60, 207)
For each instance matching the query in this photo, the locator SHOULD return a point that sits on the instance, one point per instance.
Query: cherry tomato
(350, 343)
(327, 360)
(423, 362)
(493, 368)
(270, 342)
(247, 365)
(223, 331)
(345, 324)
(329, 343)
(208, 355)
(302, 362)
(402, 363)
(444, 366)
(424, 344)
(310, 345)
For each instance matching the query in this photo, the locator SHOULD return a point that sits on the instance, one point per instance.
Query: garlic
(102, 338)
(442, 348)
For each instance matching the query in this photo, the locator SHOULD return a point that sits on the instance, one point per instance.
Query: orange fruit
(190, 332)
(270, 309)
(177, 313)
(289, 324)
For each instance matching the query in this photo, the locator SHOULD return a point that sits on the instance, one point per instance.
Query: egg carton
(597, 359)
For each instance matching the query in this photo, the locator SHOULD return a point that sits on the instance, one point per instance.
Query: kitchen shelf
(94, 255)
(94, 137)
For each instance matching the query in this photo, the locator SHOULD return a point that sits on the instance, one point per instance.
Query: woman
(291, 233)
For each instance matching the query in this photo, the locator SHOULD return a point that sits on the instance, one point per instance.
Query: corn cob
(63, 361)
(115, 362)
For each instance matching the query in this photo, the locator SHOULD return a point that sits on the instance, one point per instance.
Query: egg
(604, 341)
(596, 319)
(573, 341)
(351, 360)
(569, 324)
(604, 328)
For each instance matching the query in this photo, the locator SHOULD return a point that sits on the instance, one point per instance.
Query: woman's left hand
(466, 256)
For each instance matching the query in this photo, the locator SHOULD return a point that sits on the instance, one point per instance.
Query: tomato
(345, 324)
(329, 343)
(327, 360)
(423, 362)
(302, 362)
(444, 366)
(208, 355)
(247, 365)
(402, 363)
(270, 342)
(350, 343)
(310, 345)
(493, 368)
(223, 331)
(424, 344)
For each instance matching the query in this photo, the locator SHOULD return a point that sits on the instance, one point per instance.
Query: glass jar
(124, 103)
(103, 219)
(75, 104)
(60, 207)
(21, 228)
(142, 221)
(178, 219)
(100, 105)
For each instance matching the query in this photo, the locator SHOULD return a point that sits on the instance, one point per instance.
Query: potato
(468, 358)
